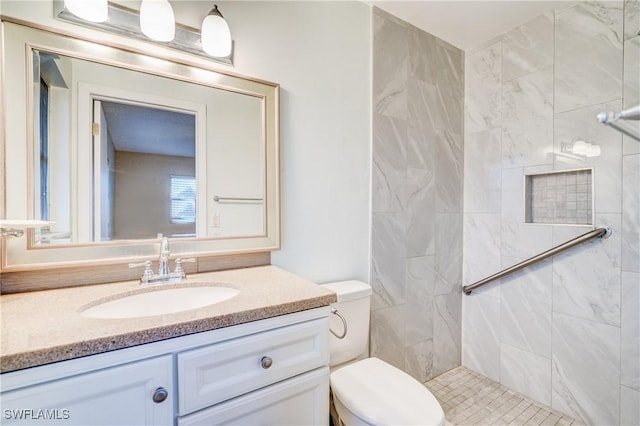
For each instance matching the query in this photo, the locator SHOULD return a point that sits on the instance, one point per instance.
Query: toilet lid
(381, 394)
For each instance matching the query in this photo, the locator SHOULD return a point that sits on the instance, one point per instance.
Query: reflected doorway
(144, 161)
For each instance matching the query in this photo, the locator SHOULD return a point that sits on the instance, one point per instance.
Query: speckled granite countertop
(46, 326)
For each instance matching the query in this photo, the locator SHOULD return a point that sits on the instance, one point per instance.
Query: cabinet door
(302, 400)
(121, 395)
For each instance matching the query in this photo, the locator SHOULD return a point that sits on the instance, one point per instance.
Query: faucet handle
(179, 269)
(148, 272)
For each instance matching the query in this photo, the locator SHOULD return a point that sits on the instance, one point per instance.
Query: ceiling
(466, 24)
(143, 129)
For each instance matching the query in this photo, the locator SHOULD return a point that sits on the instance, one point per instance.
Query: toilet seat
(380, 394)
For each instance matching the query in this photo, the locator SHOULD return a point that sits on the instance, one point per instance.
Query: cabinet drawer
(221, 371)
(303, 400)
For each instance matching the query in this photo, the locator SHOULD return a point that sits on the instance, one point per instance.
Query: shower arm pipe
(611, 119)
(622, 129)
(632, 113)
(602, 232)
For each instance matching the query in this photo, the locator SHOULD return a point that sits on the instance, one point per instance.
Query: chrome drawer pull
(160, 395)
(266, 362)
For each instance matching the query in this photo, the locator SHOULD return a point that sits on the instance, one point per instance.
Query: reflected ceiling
(135, 128)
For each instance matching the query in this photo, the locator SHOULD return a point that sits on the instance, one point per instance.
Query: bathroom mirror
(138, 140)
(118, 148)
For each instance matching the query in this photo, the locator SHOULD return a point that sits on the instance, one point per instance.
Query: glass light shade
(89, 10)
(579, 148)
(595, 151)
(157, 20)
(216, 37)
(586, 149)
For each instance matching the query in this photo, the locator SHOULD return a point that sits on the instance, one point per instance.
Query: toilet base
(343, 416)
(334, 419)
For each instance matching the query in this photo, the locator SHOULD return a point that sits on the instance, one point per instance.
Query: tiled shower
(454, 135)
(418, 103)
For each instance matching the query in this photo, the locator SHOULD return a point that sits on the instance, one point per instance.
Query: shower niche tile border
(562, 197)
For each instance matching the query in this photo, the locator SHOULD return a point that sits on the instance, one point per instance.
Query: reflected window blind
(183, 199)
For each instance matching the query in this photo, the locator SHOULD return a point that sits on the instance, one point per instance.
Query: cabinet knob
(160, 395)
(266, 362)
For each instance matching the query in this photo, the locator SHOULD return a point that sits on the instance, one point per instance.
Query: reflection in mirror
(124, 155)
(144, 171)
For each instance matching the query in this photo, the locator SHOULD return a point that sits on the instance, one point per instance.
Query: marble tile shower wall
(417, 120)
(565, 332)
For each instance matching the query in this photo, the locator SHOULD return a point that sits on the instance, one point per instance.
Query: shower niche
(559, 197)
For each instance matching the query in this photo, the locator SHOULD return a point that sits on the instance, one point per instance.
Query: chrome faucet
(163, 262)
(163, 275)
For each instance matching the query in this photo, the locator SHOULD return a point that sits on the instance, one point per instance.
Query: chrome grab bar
(334, 311)
(602, 232)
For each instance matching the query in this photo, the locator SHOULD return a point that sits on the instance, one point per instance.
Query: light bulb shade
(579, 148)
(89, 10)
(593, 150)
(216, 37)
(157, 20)
(585, 149)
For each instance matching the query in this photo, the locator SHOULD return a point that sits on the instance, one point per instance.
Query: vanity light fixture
(146, 24)
(157, 20)
(582, 148)
(89, 10)
(216, 36)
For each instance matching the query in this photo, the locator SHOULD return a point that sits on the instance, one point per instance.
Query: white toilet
(369, 391)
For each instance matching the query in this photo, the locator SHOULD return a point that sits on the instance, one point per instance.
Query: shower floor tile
(469, 398)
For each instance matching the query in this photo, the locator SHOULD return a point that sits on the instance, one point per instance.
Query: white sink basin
(160, 302)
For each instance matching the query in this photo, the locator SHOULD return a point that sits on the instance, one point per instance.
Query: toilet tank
(354, 301)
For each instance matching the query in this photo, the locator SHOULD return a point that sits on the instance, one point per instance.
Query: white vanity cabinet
(122, 395)
(268, 372)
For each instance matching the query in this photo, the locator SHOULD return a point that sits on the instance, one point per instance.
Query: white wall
(141, 193)
(319, 53)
